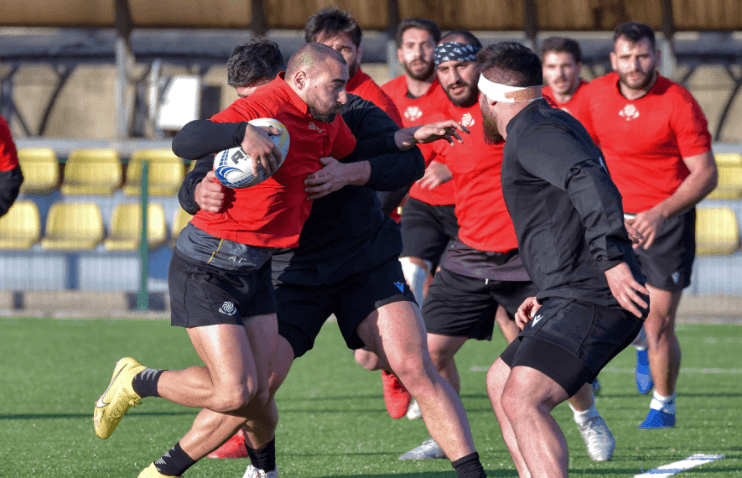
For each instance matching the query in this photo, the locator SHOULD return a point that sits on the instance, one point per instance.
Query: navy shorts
(570, 341)
(427, 230)
(202, 295)
(302, 309)
(668, 263)
(462, 306)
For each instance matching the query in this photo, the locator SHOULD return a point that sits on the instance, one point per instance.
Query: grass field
(333, 421)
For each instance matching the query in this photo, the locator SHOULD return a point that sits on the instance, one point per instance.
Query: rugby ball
(232, 166)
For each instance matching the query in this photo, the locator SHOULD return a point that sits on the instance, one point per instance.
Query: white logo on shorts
(536, 320)
(228, 308)
(675, 277)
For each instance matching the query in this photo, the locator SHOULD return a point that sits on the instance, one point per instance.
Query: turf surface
(333, 421)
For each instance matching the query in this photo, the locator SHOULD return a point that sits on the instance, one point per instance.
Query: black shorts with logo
(427, 230)
(668, 263)
(202, 295)
(303, 309)
(462, 306)
(570, 341)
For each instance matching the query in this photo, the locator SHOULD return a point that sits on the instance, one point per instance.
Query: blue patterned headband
(454, 51)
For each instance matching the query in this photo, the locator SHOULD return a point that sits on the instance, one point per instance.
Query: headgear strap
(508, 94)
(454, 51)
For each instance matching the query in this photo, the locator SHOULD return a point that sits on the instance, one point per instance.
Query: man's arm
(700, 182)
(10, 186)
(187, 194)
(201, 137)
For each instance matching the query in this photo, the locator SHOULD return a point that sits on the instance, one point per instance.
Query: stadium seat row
(100, 172)
(79, 226)
(730, 176)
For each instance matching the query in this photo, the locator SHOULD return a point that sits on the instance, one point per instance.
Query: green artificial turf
(333, 421)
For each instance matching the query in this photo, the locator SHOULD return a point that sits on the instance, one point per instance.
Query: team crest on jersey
(629, 112)
(412, 113)
(467, 120)
(315, 127)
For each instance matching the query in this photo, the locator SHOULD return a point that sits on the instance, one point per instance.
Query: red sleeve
(344, 142)
(240, 110)
(8, 153)
(690, 127)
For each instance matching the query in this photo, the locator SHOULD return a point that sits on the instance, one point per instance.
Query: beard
(468, 97)
(489, 127)
(323, 116)
(642, 83)
(423, 74)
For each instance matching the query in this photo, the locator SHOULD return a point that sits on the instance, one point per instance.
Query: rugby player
(569, 223)
(345, 264)
(219, 278)
(11, 176)
(482, 279)
(658, 149)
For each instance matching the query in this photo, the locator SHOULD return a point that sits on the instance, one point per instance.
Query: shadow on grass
(54, 416)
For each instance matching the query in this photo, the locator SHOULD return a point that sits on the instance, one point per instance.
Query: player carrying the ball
(219, 276)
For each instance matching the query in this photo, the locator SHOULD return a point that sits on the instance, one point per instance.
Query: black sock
(145, 382)
(174, 462)
(469, 467)
(263, 458)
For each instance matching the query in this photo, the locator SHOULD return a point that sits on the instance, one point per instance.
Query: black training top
(347, 231)
(565, 208)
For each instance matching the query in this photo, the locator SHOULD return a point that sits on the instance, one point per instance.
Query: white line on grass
(691, 462)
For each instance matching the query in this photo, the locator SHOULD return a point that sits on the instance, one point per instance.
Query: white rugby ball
(232, 166)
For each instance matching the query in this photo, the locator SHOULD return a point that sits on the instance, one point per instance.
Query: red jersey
(484, 221)
(428, 108)
(362, 85)
(8, 153)
(272, 213)
(576, 106)
(645, 140)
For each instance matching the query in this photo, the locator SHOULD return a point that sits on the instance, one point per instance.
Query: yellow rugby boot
(118, 397)
(152, 472)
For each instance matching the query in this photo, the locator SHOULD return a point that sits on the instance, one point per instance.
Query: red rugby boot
(232, 448)
(396, 397)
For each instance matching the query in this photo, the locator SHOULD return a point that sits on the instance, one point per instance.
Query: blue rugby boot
(661, 413)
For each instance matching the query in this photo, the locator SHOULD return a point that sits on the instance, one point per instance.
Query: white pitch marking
(691, 462)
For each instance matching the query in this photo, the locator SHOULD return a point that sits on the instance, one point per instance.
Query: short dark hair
(469, 36)
(255, 60)
(332, 20)
(561, 45)
(634, 32)
(423, 24)
(519, 65)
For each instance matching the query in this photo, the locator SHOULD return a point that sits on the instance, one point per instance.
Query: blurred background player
(658, 149)
(482, 280)
(561, 59)
(11, 176)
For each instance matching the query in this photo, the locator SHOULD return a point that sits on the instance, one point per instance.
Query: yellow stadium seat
(73, 226)
(728, 159)
(92, 171)
(717, 232)
(126, 227)
(730, 183)
(166, 173)
(40, 170)
(182, 218)
(20, 228)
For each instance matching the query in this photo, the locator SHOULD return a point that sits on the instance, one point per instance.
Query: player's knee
(512, 403)
(441, 359)
(496, 377)
(368, 360)
(233, 397)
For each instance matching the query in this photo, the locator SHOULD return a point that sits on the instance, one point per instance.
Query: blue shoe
(597, 387)
(658, 419)
(644, 381)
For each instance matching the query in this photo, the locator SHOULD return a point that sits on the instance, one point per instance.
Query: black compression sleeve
(201, 137)
(396, 170)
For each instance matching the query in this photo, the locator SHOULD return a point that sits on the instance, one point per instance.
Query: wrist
(405, 138)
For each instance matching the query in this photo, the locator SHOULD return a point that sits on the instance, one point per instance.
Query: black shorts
(427, 230)
(461, 306)
(570, 341)
(668, 263)
(203, 295)
(302, 310)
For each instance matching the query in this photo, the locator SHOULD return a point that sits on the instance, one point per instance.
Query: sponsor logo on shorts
(412, 113)
(675, 277)
(536, 320)
(629, 112)
(228, 308)
(400, 286)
